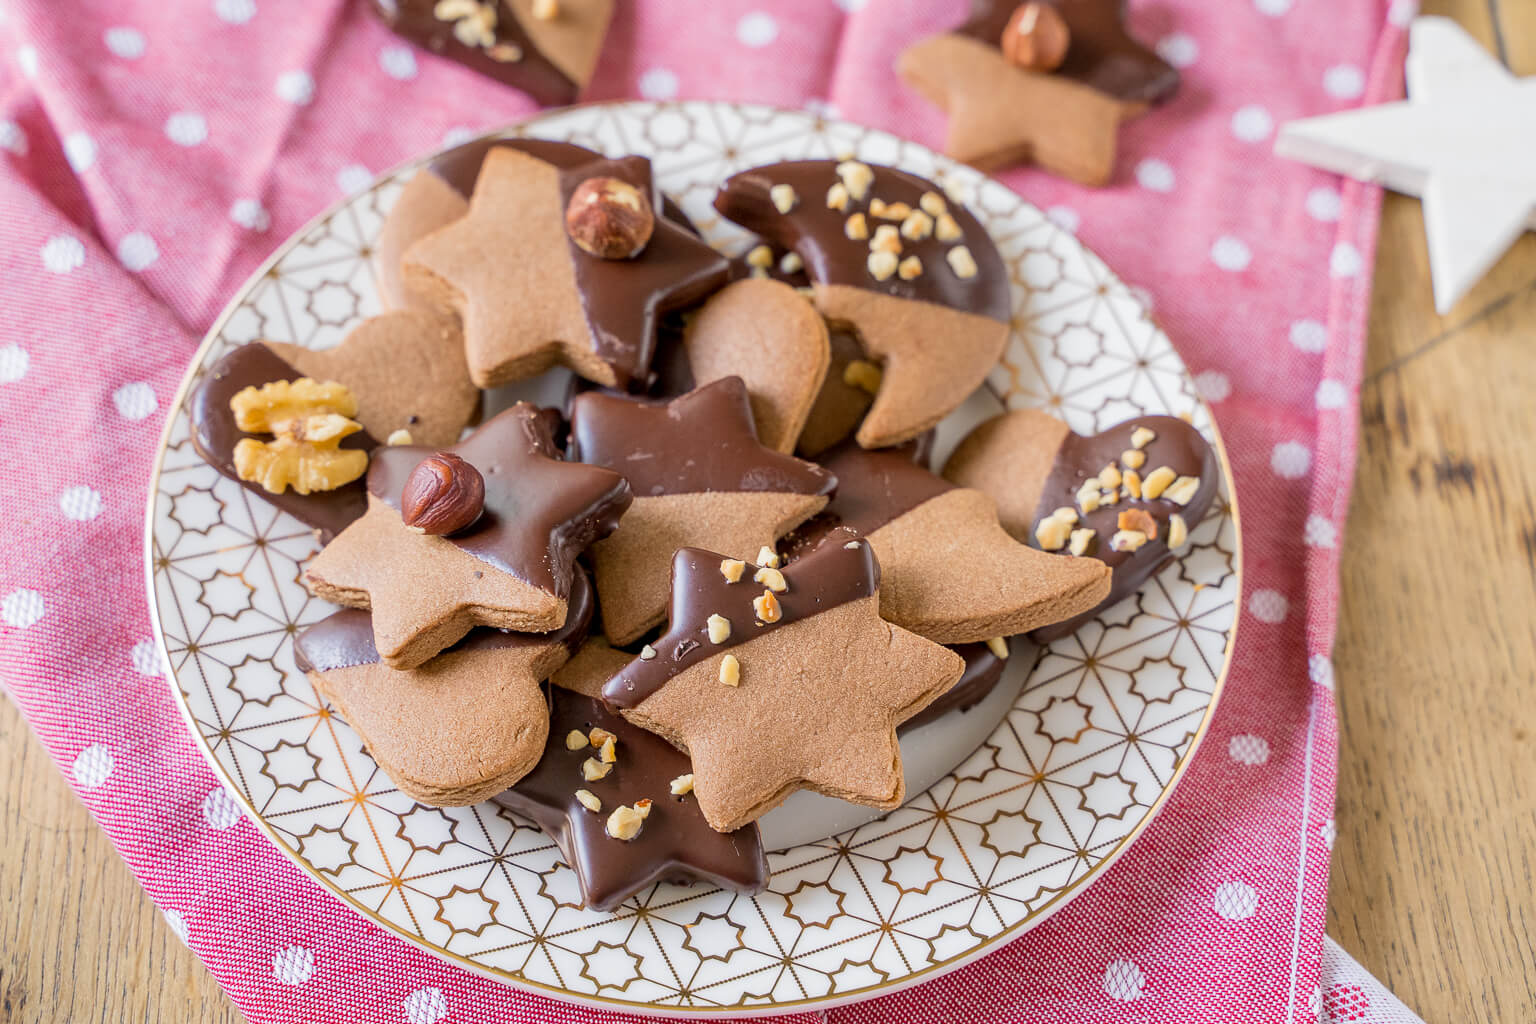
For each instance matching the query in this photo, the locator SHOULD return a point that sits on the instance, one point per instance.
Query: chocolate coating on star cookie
(816, 231)
(214, 436)
(874, 486)
(540, 512)
(833, 575)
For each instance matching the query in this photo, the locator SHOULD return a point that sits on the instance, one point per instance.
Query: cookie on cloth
(890, 257)
(949, 571)
(1045, 82)
(699, 477)
(767, 334)
(460, 728)
(562, 266)
(484, 533)
(671, 841)
(546, 48)
(779, 682)
(1128, 497)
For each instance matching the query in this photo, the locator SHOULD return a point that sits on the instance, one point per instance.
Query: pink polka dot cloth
(156, 152)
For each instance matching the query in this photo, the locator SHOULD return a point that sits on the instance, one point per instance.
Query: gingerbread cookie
(546, 48)
(671, 843)
(569, 267)
(1127, 497)
(484, 533)
(1047, 82)
(699, 476)
(950, 572)
(783, 680)
(890, 257)
(460, 728)
(769, 336)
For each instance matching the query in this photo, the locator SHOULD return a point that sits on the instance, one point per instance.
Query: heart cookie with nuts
(485, 533)
(892, 258)
(777, 683)
(1127, 497)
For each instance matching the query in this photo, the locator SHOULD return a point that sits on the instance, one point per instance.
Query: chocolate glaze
(534, 74)
(833, 575)
(1102, 54)
(214, 436)
(983, 669)
(816, 233)
(623, 299)
(1178, 446)
(874, 486)
(702, 441)
(345, 639)
(540, 512)
(741, 269)
(675, 844)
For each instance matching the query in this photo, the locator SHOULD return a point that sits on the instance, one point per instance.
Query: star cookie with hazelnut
(890, 257)
(460, 728)
(950, 571)
(485, 533)
(778, 683)
(1045, 82)
(570, 267)
(1127, 497)
(700, 477)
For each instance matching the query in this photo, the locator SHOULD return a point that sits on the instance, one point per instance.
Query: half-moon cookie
(916, 276)
(1128, 497)
(427, 578)
(460, 728)
(793, 683)
(699, 477)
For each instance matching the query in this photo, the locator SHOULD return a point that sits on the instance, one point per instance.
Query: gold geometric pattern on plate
(1094, 744)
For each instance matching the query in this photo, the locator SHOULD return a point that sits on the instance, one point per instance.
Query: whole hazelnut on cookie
(609, 218)
(1036, 37)
(443, 495)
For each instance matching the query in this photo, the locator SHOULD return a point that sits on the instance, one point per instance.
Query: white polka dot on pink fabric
(62, 254)
(1320, 670)
(852, 5)
(1273, 8)
(1179, 49)
(1290, 460)
(92, 766)
(22, 608)
(353, 178)
(12, 138)
(236, 12)
(1320, 532)
(1345, 260)
(425, 1006)
(1155, 174)
(1309, 335)
(1324, 204)
(186, 128)
(1236, 901)
(79, 151)
(1402, 12)
(1344, 82)
(296, 87)
(250, 214)
(80, 503)
(398, 62)
(145, 658)
(757, 29)
(1252, 124)
(220, 810)
(125, 42)
(458, 135)
(136, 251)
(26, 60)
(1231, 254)
(1248, 749)
(1269, 606)
(658, 84)
(1332, 394)
(1064, 217)
(293, 965)
(14, 363)
(135, 400)
(1123, 980)
(177, 924)
(1213, 386)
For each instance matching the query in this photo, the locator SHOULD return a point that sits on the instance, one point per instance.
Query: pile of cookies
(724, 569)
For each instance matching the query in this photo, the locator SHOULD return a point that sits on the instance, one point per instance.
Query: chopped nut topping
(882, 265)
(917, 226)
(856, 177)
(1182, 490)
(730, 670)
(887, 238)
(1109, 498)
(1178, 532)
(962, 262)
(861, 373)
(888, 211)
(1127, 540)
(769, 557)
(760, 256)
(308, 421)
(996, 644)
(1088, 496)
(546, 10)
(784, 197)
(624, 823)
(589, 800)
(1132, 481)
(1156, 482)
(719, 629)
(505, 53)
(856, 227)
(851, 545)
(609, 752)
(1133, 458)
(732, 568)
(1051, 533)
(1078, 543)
(767, 607)
(1142, 436)
(448, 10)
(1139, 520)
(837, 197)
(399, 437)
(946, 228)
(598, 736)
(474, 24)
(932, 204)
(1109, 477)
(773, 579)
(791, 263)
(1066, 513)
(682, 785)
(758, 273)
(574, 740)
(643, 807)
(592, 769)
(910, 268)
(647, 652)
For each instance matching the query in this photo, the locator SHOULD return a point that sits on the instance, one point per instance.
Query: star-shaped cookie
(950, 571)
(914, 274)
(674, 844)
(700, 479)
(511, 569)
(529, 297)
(802, 688)
(459, 729)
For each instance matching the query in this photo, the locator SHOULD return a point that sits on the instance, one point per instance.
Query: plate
(1092, 746)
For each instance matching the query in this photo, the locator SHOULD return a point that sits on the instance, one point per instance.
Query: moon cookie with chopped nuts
(1128, 497)
(888, 255)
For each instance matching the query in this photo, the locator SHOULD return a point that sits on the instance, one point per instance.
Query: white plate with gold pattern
(1090, 749)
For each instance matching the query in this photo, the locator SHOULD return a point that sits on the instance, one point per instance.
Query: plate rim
(931, 972)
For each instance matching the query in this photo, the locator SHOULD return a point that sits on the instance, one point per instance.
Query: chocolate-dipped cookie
(699, 477)
(458, 729)
(1129, 496)
(984, 665)
(950, 572)
(916, 276)
(773, 683)
(484, 533)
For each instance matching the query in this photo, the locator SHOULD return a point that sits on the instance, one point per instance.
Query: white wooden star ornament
(1464, 142)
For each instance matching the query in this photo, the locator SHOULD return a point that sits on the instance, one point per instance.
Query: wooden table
(1435, 665)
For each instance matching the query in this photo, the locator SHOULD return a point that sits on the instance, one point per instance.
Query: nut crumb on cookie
(767, 607)
(768, 557)
(399, 437)
(784, 197)
(863, 374)
(732, 568)
(592, 769)
(760, 256)
(730, 670)
(910, 268)
(856, 227)
(624, 823)
(719, 628)
(682, 785)
(1182, 490)
(1131, 481)
(998, 646)
(1127, 540)
(791, 263)
(1156, 482)
(575, 740)
(1142, 436)
(932, 204)
(856, 177)
(946, 228)
(837, 197)
(962, 262)
(882, 265)
(1133, 458)
(647, 652)
(1178, 531)
(1051, 533)
(589, 800)
(771, 578)
(1078, 543)
(1139, 520)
